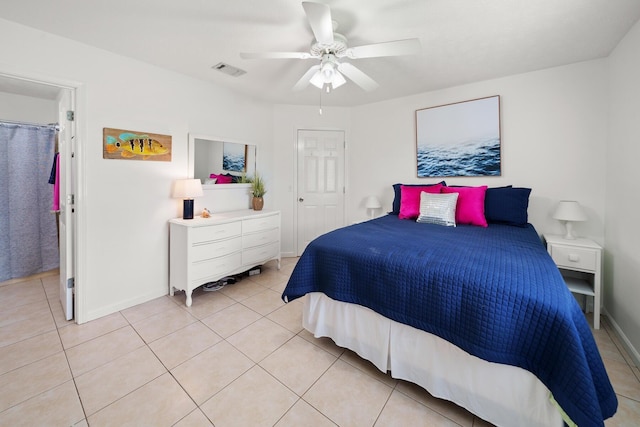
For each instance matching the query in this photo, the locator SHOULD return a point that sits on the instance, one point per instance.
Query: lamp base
(569, 234)
(187, 209)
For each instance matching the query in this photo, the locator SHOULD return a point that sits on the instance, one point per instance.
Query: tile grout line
(474, 421)
(66, 356)
(145, 344)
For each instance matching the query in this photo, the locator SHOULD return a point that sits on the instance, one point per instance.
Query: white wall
(554, 129)
(28, 109)
(123, 205)
(288, 119)
(553, 126)
(622, 241)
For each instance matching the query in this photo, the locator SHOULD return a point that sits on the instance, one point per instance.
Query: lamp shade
(372, 202)
(187, 189)
(569, 210)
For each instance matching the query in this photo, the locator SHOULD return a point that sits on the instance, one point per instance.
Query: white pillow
(438, 208)
(209, 181)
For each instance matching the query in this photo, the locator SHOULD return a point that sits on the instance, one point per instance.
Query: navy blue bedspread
(494, 292)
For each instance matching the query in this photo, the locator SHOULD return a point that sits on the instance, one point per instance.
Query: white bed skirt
(501, 394)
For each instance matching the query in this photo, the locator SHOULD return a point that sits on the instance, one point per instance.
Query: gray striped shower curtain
(28, 231)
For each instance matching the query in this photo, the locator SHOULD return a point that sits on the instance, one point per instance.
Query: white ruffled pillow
(438, 209)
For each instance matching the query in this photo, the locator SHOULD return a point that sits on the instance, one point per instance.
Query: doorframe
(296, 131)
(78, 93)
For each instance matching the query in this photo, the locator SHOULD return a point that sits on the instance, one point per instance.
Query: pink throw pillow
(221, 179)
(410, 199)
(470, 206)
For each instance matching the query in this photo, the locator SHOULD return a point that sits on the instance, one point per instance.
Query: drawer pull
(574, 257)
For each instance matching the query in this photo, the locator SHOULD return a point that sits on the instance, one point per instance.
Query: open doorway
(32, 102)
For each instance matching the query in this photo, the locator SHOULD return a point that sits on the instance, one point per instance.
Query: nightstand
(580, 262)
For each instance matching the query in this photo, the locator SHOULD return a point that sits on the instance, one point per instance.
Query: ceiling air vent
(228, 69)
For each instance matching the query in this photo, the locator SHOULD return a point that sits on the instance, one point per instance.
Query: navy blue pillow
(507, 205)
(395, 208)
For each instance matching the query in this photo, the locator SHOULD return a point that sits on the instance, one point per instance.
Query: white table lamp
(569, 211)
(187, 189)
(372, 204)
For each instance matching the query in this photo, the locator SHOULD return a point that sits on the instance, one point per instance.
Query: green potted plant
(258, 191)
(244, 179)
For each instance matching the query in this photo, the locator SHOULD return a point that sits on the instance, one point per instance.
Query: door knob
(301, 199)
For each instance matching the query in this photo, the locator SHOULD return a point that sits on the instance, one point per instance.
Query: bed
(476, 315)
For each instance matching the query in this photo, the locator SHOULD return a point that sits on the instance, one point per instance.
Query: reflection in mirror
(220, 157)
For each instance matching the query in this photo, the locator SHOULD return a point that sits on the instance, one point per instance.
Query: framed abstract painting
(459, 139)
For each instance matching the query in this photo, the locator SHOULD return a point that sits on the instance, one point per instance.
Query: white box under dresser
(203, 250)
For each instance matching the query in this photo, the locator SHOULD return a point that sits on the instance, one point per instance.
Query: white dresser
(204, 250)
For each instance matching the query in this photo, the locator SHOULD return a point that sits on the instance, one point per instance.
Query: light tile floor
(237, 357)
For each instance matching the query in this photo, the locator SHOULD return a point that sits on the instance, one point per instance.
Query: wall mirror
(220, 156)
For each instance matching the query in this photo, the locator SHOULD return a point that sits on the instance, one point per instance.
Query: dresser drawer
(260, 224)
(578, 258)
(260, 254)
(216, 267)
(215, 232)
(260, 238)
(202, 251)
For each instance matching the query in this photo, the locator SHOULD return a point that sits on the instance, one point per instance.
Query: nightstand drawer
(569, 257)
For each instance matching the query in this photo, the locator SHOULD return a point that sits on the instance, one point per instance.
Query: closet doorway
(54, 104)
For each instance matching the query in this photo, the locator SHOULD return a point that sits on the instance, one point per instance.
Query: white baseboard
(122, 305)
(635, 355)
(288, 255)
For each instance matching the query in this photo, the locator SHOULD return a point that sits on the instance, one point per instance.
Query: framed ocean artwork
(234, 157)
(459, 139)
(134, 145)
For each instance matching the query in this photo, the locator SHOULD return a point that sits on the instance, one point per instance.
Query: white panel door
(67, 209)
(320, 184)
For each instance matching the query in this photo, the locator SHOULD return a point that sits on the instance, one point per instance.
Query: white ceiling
(462, 41)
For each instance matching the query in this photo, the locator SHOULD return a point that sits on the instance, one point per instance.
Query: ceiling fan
(330, 48)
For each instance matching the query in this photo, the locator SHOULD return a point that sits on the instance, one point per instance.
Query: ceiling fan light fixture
(338, 80)
(329, 47)
(328, 71)
(318, 79)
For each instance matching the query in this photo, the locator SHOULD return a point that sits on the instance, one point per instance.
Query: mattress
(493, 292)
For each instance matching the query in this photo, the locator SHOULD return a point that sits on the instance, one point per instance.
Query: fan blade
(319, 16)
(394, 48)
(276, 55)
(357, 76)
(304, 81)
